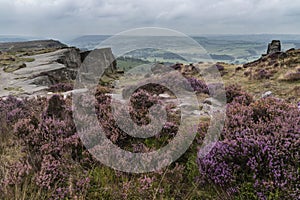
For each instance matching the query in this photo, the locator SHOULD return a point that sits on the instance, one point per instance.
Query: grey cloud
(75, 17)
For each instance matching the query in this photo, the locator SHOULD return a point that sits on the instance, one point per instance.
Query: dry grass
(12, 59)
(281, 89)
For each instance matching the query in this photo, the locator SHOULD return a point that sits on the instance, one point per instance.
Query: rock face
(47, 69)
(274, 47)
(94, 64)
(58, 66)
(273, 53)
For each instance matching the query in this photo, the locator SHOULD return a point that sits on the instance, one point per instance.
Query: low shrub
(52, 152)
(234, 92)
(61, 87)
(199, 86)
(260, 146)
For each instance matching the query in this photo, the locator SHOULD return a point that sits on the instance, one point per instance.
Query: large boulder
(274, 47)
(98, 64)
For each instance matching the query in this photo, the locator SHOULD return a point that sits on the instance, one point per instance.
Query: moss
(17, 89)
(14, 67)
(28, 59)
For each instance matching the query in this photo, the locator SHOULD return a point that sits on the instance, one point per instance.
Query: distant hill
(31, 45)
(12, 39)
(88, 41)
(17, 38)
(232, 48)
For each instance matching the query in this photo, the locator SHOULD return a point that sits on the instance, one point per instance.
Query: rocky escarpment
(278, 72)
(31, 46)
(282, 66)
(41, 71)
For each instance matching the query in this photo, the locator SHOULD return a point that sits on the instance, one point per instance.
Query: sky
(71, 18)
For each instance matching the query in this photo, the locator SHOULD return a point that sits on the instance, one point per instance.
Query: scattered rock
(267, 94)
(185, 69)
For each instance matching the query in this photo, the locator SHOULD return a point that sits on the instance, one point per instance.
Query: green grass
(126, 63)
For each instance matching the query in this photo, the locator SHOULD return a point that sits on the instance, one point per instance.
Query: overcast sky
(69, 18)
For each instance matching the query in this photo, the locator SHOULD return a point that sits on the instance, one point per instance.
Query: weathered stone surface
(38, 75)
(84, 54)
(58, 66)
(99, 63)
(41, 80)
(274, 47)
(70, 58)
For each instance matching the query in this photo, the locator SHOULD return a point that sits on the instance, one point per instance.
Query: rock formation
(99, 62)
(46, 69)
(273, 53)
(274, 47)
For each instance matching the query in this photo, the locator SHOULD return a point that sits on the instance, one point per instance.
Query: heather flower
(260, 145)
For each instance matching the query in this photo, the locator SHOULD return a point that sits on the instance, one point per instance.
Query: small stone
(267, 94)
(166, 96)
(197, 112)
